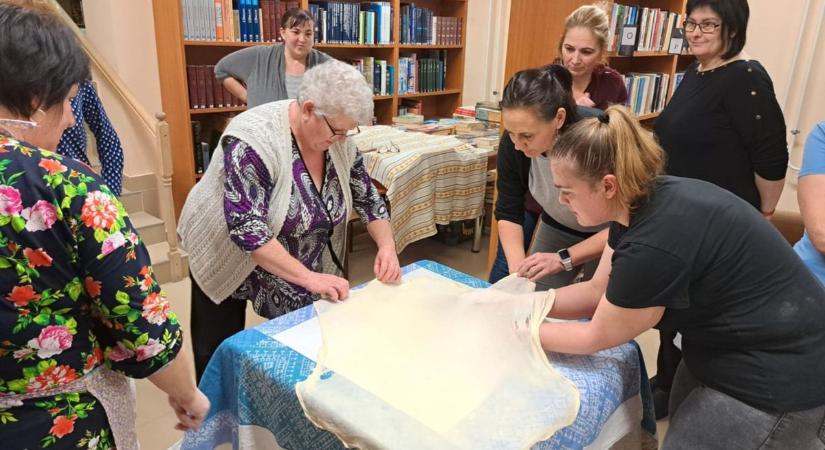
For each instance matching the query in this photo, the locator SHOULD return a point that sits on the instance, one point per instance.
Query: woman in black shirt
(685, 255)
(723, 125)
(538, 105)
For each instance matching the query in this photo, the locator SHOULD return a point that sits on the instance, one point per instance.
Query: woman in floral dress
(79, 305)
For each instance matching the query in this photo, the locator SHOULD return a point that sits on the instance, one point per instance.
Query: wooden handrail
(158, 129)
(107, 72)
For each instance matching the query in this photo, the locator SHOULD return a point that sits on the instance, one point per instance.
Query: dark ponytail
(544, 90)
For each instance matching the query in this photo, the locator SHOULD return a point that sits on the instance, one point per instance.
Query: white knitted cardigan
(217, 264)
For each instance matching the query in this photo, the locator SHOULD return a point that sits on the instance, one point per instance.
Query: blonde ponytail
(615, 144)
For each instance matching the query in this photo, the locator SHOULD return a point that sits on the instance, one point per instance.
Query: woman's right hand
(191, 410)
(328, 286)
(585, 100)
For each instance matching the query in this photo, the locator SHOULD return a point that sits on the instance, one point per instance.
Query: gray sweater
(262, 69)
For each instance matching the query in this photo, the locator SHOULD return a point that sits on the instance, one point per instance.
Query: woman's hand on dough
(386, 267)
(328, 286)
(539, 265)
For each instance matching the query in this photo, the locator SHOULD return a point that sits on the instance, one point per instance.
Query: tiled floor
(156, 419)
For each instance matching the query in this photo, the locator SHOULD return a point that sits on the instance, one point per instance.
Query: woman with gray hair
(266, 223)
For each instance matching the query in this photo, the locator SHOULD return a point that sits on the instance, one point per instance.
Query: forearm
(177, 379)
(381, 232)
(611, 326)
(588, 249)
(511, 237)
(274, 258)
(769, 192)
(235, 88)
(811, 196)
(571, 337)
(576, 301)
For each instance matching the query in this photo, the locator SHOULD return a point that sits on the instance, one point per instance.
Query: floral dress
(76, 292)
(308, 224)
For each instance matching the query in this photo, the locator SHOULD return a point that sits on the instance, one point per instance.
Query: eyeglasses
(22, 124)
(335, 132)
(389, 148)
(705, 27)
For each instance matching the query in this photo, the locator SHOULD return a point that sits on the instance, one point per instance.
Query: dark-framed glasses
(348, 133)
(704, 27)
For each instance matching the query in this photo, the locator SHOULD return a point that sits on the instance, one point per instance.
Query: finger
(331, 293)
(376, 265)
(343, 290)
(384, 269)
(396, 276)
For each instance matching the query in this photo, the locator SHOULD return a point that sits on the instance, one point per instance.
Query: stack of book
(488, 112)
(420, 26)
(416, 74)
(367, 23)
(234, 20)
(634, 28)
(465, 111)
(205, 91)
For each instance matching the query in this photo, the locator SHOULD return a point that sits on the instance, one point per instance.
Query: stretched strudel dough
(434, 364)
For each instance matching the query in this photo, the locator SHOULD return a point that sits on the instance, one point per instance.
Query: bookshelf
(533, 21)
(175, 53)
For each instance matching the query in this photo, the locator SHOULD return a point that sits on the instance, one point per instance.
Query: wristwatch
(566, 259)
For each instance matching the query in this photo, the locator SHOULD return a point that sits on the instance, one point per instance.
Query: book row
(368, 23)
(234, 20)
(205, 91)
(634, 28)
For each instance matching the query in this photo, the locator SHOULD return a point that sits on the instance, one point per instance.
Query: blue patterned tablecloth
(251, 383)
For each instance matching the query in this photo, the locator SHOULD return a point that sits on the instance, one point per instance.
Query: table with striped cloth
(430, 179)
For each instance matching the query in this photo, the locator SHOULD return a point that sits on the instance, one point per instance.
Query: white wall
(123, 32)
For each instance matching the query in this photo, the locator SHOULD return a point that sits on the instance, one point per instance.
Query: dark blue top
(86, 106)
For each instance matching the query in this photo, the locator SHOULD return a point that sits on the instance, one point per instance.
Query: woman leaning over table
(685, 255)
(582, 50)
(722, 125)
(80, 308)
(537, 106)
(267, 73)
(267, 223)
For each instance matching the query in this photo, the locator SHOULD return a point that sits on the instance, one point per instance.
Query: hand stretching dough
(432, 364)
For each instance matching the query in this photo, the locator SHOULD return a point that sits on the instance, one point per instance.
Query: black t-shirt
(724, 125)
(751, 315)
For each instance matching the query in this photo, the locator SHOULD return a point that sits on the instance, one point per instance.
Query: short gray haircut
(337, 89)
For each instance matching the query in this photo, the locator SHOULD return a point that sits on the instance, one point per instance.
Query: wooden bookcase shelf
(175, 53)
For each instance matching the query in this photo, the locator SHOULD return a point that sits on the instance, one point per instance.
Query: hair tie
(604, 118)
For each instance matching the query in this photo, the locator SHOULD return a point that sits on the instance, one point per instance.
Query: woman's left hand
(539, 265)
(387, 268)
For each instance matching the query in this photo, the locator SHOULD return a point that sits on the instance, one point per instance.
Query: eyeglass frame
(336, 133)
(392, 147)
(701, 26)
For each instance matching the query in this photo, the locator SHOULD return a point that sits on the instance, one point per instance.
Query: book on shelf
(234, 20)
(647, 92)
(378, 73)
(421, 75)
(421, 26)
(205, 91)
(366, 23)
(677, 79)
(634, 28)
